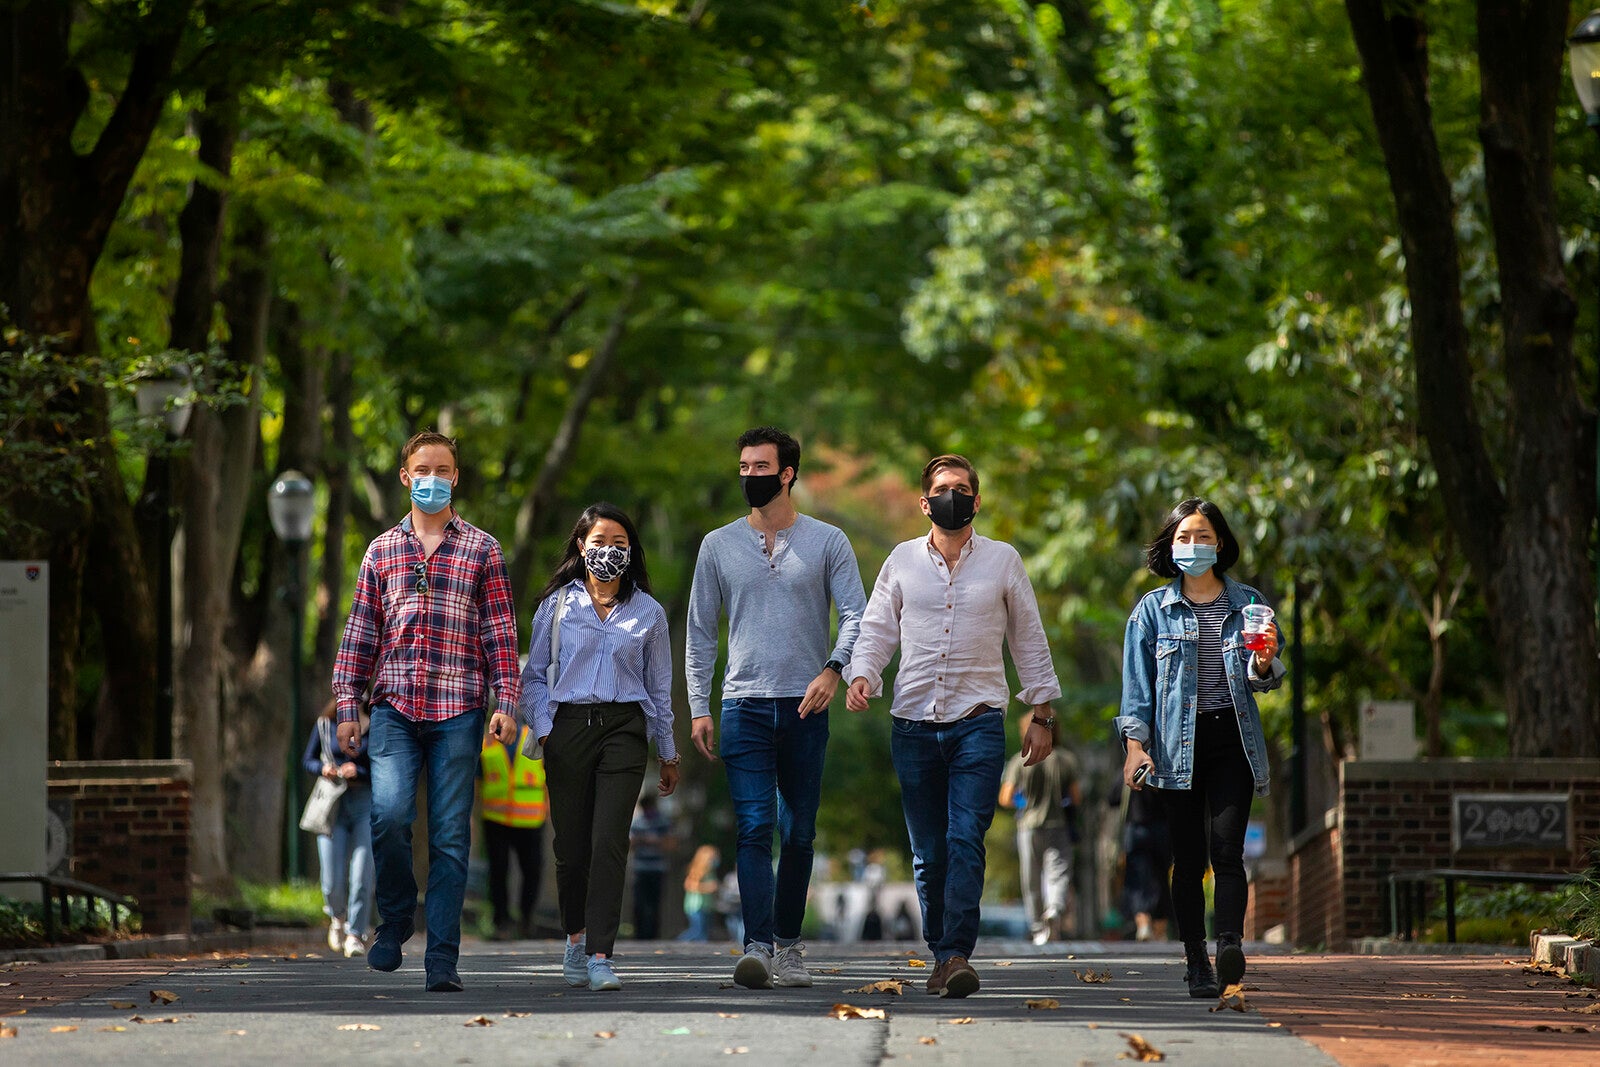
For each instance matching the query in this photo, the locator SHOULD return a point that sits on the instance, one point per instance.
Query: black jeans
(1224, 785)
(499, 841)
(593, 764)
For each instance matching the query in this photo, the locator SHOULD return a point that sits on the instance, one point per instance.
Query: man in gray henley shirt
(775, 573)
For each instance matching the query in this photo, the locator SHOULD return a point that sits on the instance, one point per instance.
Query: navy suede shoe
(385, 954)
(444, 981)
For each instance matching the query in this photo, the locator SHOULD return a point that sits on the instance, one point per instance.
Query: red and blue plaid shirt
(430, 627)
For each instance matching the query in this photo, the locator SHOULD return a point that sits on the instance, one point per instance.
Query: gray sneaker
(789, 967)
(575, 965)
(754, 970)
(601, 974)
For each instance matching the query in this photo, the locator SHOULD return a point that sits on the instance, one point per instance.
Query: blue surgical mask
(1194, 560)
(430, 492)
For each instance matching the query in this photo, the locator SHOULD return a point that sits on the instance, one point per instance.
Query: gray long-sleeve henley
(777, 607)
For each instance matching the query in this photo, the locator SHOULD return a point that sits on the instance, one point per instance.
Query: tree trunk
(215, 484)
(1527, 541)
(56, 208)
(559, 453)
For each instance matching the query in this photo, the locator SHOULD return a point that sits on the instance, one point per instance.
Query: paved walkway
(679, 1004)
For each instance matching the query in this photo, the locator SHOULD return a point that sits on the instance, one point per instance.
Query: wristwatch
(673, 762)
(1046, 723)
(835, 666)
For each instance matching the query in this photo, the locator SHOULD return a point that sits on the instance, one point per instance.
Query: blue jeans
(774, 760)
(400, 748)
(949, 781)
(345, 857)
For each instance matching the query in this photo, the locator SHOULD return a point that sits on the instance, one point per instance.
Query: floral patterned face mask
(607, 562)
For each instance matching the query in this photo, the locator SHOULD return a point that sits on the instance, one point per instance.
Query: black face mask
(759, 489)
(952, 510)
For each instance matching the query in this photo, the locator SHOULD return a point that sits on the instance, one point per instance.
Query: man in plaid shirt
(430, 622)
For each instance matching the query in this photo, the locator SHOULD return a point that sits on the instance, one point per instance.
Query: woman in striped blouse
(1190, 726)
(597, 688)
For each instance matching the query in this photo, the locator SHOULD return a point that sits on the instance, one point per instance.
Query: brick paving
(1400, 1011)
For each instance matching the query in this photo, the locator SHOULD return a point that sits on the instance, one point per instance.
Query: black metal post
(163, 730)
(293, 868)
(1297, 714)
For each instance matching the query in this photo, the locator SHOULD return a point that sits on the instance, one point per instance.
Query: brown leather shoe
(960, 980)
(936, 979)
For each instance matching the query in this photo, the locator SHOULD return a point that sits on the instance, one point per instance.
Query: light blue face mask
(1194, 560)
(430, 492)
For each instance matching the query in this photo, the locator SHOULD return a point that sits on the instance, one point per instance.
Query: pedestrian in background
(345, 855)
(597, 688)
(514, 806)
(1045, 796)
(431, 625)
(1146, 862)
(651, 840)
(952, 602)
(1189, 715)
(776, 573)
(700, 885)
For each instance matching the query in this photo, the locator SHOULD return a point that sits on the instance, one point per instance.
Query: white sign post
(25, 711)
(1389, 730)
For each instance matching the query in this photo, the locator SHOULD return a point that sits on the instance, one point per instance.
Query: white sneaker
(1041, 936)
(789, 967)
(602, 975)
(354, 945)
(754, 969)
(575, 964)
(336, 934)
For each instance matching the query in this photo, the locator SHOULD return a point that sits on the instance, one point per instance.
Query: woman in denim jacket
(1189, 718)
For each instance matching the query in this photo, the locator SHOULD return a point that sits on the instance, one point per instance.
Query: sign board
(24, 708)
(1511, 822)
(1389, 730)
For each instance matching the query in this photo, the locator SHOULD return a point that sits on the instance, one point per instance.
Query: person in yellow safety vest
(515, 807)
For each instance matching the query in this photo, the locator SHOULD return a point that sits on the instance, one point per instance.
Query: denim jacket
(1160, 673)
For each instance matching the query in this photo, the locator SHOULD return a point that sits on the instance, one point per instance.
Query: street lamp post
(166, 397)
(291, 504)
(1584, 53)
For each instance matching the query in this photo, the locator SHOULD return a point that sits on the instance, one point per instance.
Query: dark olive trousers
(594, 763)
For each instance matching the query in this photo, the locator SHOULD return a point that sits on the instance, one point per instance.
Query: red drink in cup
(1257, 624)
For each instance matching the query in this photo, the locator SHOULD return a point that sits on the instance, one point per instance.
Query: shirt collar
(966, 549)
(454, 522)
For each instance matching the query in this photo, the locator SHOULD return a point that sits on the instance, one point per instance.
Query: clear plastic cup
(1257, 624)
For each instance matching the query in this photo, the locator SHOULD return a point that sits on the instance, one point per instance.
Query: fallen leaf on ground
(113, 1029)
(1003, 963)
(826, 970)
(163, 996)
(927, 1040)
(1232, 997)
(888, 985)
(605, 1035)
(518, 1014)
(1044, 1004)
(63, 1029)
(727, 1015)
(202, 989)
(1093, 976)
(360, 1026)
(150, 1022)
(850, 1011)
(1417, 996)
(963, 1021)
(1094, 1026)
(238, 1033)
(122, 1005)
(1587, 1009)
(916, 963)
(1274, 1024)
(1574, 1029)
(479, 1020)
(8, 1031)
(1142, 1051)
(741, 1050)
(735, 951)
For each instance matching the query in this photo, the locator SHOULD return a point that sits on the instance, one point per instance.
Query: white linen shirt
(949, 626)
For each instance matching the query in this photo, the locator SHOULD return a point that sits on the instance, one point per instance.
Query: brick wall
(1268, 904)
(130, 833)
(1395, 816)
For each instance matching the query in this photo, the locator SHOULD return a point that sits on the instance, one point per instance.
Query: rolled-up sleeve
(1030, 650)
(534, 702)
(658, 683)
(1138, 682)
(879, 635)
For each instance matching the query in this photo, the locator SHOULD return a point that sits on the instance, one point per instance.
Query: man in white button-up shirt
(950, 602)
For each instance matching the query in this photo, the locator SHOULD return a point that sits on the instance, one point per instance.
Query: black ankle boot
(1230, 959)
(1198, 974)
